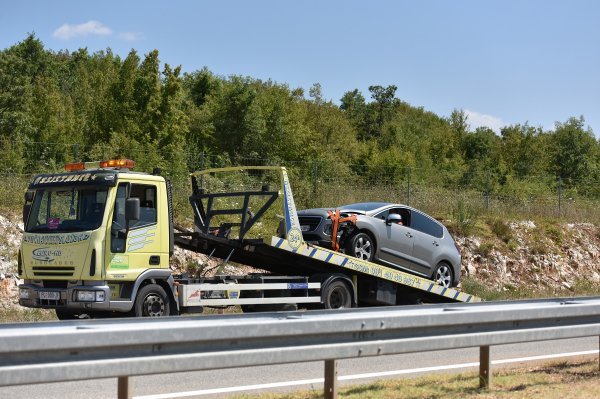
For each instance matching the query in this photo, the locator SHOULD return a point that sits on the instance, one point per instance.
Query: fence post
(76, 152)
(202, 168)
(559, 197)
(330, 388)
(123, 388)
(485, 367)
(487, 191)
(315, 176)
(408, 189)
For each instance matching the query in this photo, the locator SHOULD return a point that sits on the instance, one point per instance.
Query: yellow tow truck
(98, 239)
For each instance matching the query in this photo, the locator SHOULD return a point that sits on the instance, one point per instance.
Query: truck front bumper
(74, 297)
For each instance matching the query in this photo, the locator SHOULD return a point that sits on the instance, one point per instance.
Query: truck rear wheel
(336, 295)
(151, 301)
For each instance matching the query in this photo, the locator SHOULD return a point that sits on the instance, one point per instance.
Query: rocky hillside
(526, 256)
(534, 256)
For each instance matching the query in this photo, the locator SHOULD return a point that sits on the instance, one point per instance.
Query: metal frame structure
(81, 350)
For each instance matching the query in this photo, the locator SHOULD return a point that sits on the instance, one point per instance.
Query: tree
(572, 148)
(384, 100)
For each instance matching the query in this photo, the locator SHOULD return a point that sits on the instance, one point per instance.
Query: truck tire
(337, 295)
(62, 314)
(361, 246)
(151, 301)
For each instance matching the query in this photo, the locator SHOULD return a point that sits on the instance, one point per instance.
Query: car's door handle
(409, 235)
(436, 244)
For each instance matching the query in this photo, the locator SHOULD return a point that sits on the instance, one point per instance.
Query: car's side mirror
(393, 218)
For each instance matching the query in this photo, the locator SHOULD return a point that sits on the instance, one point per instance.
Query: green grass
(582, 287)
(21, 315)
(579, 379)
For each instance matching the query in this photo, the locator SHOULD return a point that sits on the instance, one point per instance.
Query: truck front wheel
(62, 314)
(151, 301)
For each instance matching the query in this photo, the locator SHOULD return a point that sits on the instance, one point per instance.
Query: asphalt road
(290, 377)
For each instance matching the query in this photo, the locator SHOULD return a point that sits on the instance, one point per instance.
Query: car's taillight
(457, 248)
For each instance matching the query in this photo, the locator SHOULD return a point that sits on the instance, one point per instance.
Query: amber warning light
(118, 163)
(72, 167)
(112, 163)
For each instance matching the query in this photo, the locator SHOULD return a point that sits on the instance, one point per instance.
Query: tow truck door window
(147, 196)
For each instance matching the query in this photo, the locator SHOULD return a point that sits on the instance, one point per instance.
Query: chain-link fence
(322, 183)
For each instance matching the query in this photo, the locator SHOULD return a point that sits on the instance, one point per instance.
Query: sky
(502, 62)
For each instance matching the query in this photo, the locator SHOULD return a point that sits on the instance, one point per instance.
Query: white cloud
(475, 119)
(130, 36)
(67, 31)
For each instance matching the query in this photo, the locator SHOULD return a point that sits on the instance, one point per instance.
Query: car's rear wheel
(443, 274)
(362, 246)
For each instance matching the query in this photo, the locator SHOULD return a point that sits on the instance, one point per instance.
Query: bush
(501, 229)
(464, 218)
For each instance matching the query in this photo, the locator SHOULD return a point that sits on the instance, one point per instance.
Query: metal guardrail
(89, 349)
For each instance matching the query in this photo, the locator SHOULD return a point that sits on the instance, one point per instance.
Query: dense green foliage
(58, 106)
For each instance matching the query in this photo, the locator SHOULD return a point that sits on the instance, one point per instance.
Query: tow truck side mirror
(27, 207)
(132, 209)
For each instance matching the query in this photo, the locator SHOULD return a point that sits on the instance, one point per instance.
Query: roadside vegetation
(63, 106)
(577, 379)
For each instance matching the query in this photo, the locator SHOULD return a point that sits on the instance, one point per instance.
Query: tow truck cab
(93, 237)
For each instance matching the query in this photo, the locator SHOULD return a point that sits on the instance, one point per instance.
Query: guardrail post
(124, 390)
(330, 387)
(485, 367)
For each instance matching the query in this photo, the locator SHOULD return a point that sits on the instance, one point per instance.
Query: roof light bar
(72, 167)
(111, 163)
(118, 163)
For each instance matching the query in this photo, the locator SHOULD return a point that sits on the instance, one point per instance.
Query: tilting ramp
(350, 263)
(278, 256)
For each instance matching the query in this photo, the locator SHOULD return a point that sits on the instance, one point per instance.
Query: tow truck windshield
(67, 209)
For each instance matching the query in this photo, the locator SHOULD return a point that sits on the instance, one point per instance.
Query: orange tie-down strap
(335, 224)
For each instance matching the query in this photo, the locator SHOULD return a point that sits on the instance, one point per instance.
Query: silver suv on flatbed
(391, 234)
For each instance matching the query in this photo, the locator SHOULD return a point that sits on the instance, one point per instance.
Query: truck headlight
(90, 296)
(23, 293)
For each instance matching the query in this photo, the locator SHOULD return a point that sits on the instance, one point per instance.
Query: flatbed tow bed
(284, 257)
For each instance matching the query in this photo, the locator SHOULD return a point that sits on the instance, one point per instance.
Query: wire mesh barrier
(322, 183)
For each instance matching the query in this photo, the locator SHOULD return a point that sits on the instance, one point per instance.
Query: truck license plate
(304, 227)
(50, 295)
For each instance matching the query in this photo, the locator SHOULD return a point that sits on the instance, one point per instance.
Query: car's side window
(426, 225)
(383, 215)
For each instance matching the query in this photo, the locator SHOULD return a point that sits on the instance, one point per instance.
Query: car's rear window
(426, 225)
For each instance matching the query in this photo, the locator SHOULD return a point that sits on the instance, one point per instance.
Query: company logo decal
(46, 254)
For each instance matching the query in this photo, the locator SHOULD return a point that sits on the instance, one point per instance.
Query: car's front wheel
(362, 246)
(443, 274)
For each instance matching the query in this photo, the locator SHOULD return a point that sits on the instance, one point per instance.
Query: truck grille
(50, 271)
(311, 221)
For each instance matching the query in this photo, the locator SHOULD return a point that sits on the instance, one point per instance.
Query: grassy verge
(580, 288)
(552, 381)
(21, 315)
